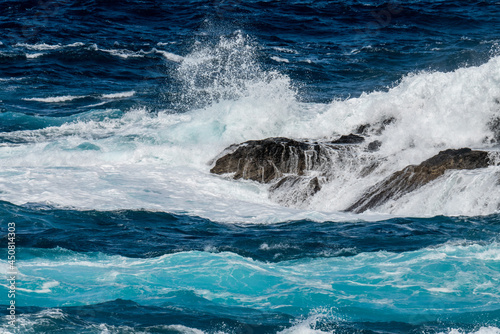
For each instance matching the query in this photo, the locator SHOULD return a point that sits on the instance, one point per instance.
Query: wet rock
(349, 139)
(374, 145)
(269, 159)
(375, 128)
(294, 190)
(414, 177)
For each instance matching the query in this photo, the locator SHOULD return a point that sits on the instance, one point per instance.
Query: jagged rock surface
(295, 169)
(349, 139)
(269, 159)
(414, 177)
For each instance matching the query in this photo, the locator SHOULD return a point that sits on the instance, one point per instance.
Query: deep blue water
(111, 111)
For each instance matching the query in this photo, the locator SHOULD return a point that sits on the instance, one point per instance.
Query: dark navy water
(110, 113)
(333, 48)
(150, 234)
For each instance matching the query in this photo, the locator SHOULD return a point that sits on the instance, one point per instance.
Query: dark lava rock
(414, 177)
(269, 159)
(349, 139)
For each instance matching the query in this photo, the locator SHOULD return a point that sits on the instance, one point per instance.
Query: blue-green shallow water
(87, 271)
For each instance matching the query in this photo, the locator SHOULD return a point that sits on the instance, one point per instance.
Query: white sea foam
(125, 54)
(39, 47)
(45, 288)
(46, 47)
(12, 79)
(28, 323)
(182, 329)
(34, 55)
(161, 161)
(67, 98)
(118, 95)
(280, 60)
(307, 326)
(177, 329)
(55, 99)
(285, 50)
(170, 56)
(482, 330)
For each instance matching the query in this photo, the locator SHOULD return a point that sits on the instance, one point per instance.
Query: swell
(94, 52)
(125, 316)
(447, 282)
(68, 79)
(146, 234)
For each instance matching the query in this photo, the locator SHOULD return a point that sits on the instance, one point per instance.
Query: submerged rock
(374, 145)
(349, 139)
(294, 190)
(414, 177)
(375, 128)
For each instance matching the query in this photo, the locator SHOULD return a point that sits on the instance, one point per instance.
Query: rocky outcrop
(295, 169)
(270, 159)
(414, 177)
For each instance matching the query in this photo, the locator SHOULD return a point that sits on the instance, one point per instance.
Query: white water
(66, 98)
(54, 99)
(162, 162)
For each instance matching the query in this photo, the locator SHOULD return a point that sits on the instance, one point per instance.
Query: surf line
(12, 273)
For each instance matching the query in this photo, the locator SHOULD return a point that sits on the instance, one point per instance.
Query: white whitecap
(47, 47)
(118, 95)
(34, 55)
(55, 99)
(39, 47)
(482, 330)
(285, 50)
(170, 56)
(125, 54)
(280, 60)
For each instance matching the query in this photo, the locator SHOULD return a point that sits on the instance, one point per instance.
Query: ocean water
(111, 116)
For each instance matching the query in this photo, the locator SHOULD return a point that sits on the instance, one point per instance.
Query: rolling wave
(442, 282)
